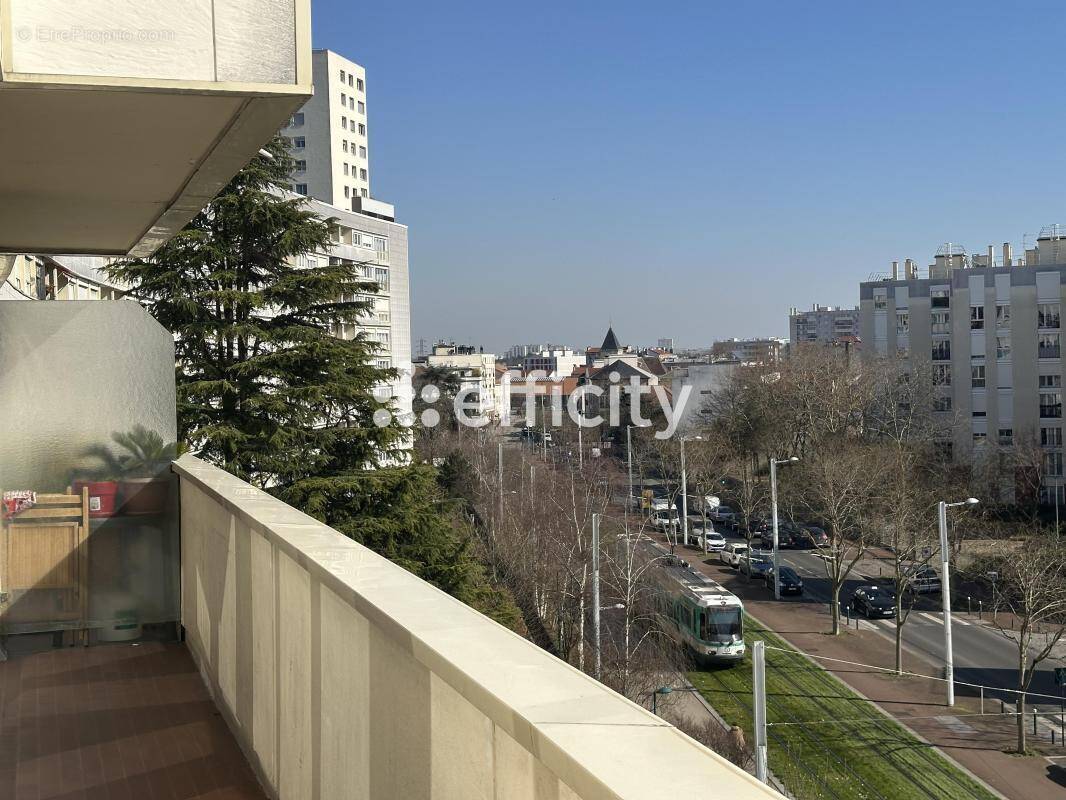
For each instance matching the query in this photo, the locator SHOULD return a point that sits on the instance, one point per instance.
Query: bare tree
(1032, 588)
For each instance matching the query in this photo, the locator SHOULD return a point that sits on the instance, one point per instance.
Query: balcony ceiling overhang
(111, 151)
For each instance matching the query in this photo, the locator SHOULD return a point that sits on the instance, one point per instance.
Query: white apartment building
(823, 324)
(476, 371)
(377, 248)
(553, 363)
(992, 333)
(42, 277)
(763, 351)
(328, 135)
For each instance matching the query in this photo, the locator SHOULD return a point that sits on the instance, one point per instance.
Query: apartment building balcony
(193, 636)
(314, 668)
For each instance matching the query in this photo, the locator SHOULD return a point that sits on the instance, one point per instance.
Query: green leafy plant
(145, 453)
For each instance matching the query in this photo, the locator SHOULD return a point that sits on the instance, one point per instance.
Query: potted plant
(145, 483)
(137, 477)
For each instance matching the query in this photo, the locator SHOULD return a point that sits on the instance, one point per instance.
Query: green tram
(700, 613)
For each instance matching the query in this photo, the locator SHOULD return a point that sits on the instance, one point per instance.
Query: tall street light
(684, 486)
(945, 590)
(774, 464)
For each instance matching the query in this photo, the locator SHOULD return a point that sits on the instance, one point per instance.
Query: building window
(1050, 381)
(941, 322)
(1006, 437)
(942, 350)
(1053, 464)
(1003, 347)
(1047, 315)
(297, 119)
(351, 125)
(351, 103)
(903, 323)
(939, 298)
(942, 403)
(362, 152)
(977, 376)
(362, 174)
(980, 414)
(299, 143)
(345, 169)
(1048, 345)
(350, 79)
(381, 278)
(980, 437)
(364, 193)
(942, 374)
(344, 123)
(1050, 405)
(362, 129)
(1053, 495)
(301, 165)
(347, 192)
(880, 302)
(362, 107)
(977, 318)
(342, 76)
(301, 188)
(1051, 437)
(344, 145)
(344, 99)
(1003, 316)
(359, 84)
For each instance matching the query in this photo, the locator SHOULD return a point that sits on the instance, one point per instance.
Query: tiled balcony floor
(115, 722)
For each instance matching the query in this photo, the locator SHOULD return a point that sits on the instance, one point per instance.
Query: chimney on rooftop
(1008, 257)
(895, 270)
(910, 269)
(991, 255)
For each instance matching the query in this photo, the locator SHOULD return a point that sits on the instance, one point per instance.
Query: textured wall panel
(256, 41)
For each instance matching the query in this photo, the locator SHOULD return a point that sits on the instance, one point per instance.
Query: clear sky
(693, 169)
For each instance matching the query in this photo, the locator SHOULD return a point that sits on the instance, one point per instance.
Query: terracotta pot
(144, 495)
(102, 496)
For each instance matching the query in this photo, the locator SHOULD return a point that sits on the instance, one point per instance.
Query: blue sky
(694, 169)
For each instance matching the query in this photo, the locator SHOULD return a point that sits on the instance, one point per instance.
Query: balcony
(152, 107)
(339, 675)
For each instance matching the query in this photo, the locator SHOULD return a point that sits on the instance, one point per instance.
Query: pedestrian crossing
(916, 618)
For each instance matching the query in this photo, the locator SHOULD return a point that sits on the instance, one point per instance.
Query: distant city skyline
(696, 171)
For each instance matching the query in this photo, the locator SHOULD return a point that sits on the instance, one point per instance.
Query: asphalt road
(982, 655)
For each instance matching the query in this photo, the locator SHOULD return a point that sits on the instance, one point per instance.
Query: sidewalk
(977, 743)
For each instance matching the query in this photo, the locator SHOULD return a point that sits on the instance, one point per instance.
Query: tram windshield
(721, 624)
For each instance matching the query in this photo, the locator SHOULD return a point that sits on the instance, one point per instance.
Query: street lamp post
(945, 590)
(684, 488)
(774, 463)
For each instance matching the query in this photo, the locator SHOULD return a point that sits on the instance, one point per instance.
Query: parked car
(817, 536)
(924, 580)
(710, 541)
(755, 564)
(732, 552)
(791, 583)
(722, 514)
(667, 520)
(760, 524)
(874, 601)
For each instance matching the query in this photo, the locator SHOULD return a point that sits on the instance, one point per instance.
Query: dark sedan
(791, 583)
(874, 601)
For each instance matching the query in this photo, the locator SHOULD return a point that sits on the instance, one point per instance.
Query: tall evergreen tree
(264, 389)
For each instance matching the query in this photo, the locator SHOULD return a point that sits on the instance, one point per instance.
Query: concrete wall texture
(345, 677)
